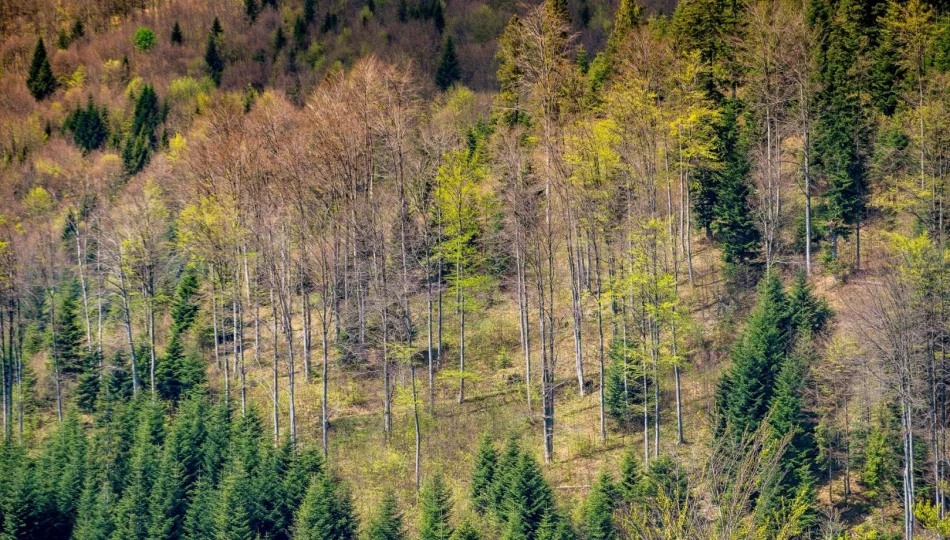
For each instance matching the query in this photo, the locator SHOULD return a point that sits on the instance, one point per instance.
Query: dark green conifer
(756, 359)
(309, 11)
(233, 514)
(629, 487)
(40, 80)
(448, 71)
(213, 59)
(483, 476)
(177, 38)
(387, 523)
(252, 9)
(529, 497)
(326, 513)
(142, 140)
(600, 509)
(436, 510)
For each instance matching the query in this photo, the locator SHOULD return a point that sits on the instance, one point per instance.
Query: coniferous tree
(790, 418)
(730, 219)
(199, 518)
(309, 11)
(448, 71)
(216, 29)
(178, 372)
(301, 34)
(387, 523)
(529, 498)
(177, 38)
(213, 59)
(600, 509)
(142, 140)
(435, 510)
(233, 515)
(326, 512)
(465, 531)
(756, 359)
(40, 80)
(483, 476)
(94, 516)
(252, 9)
(631, 477)
(501, 479)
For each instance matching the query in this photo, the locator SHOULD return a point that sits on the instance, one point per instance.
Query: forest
(487, 269)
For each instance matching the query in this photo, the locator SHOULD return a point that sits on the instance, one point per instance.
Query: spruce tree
(69, 333)
(94, 517)
(251, 9)
(435, 510)
(529, 497)
(309, 11)
(600, 509)
(730, 218)
(199, 517)
(301, 34)
(629, 486)
(756, 359)
(501, 479)
(465, 531)
(483, 476)
(177, 38)
(40, 80)
(326, 512)
(142, 140)
(448, 71)
(213, 60)
(232, 514)
(387, 523)
(789, 418)
(216, 29)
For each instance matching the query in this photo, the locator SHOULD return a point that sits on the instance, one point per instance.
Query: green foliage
(68, 340)
(724, 193)
(233, 513)
(178, 372)
(483, 475)
(435, 510)
(40, 80)
(141, 141)
(326, 512)
(600, 508)
(252, 9)
(144, 39)
(528, 499)
(387, 523)
(626, 385)
(756, 359)
(89, 126)
(309, 11)
(465, 531)
(448, 71)
(629, 486)
(214, 62)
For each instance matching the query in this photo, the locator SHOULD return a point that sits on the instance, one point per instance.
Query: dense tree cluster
(221, 288)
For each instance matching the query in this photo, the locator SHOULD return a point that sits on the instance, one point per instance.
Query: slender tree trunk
(276, 372)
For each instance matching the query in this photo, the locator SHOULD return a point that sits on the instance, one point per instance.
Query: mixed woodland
(446, 269)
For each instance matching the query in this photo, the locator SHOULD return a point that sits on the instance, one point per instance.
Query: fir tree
(251, 9)
(465, 531)
(435, 510)
(629, 486)
(309, 11)
(486, 461)
(448, 71)
(213, 60)
(199, 518)
(730, 219)
(301, 34)
(501, 479)
(40, 80)
(529, 497)
(387, 523)
(756, 359)
(88, 126)
(94, 519)
(600, 509)
(807, 314)
(326, 512)
(790, 418)
(216, 29)
(69, 334)
(142, 141)
(232, 515)
(177, 38)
